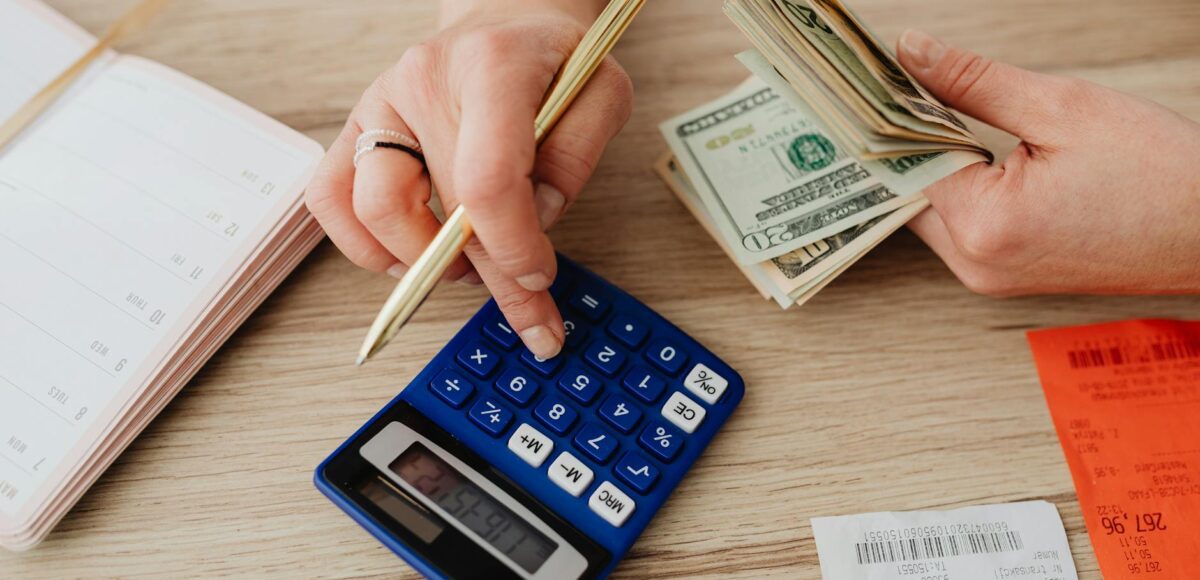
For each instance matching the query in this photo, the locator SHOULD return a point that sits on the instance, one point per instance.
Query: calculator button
(705, 383)
(620, 413)
(611, 504)
(569, 473)
(662, 441)
(590, 303)
(544, 367)
(555, 414)
(666, 356)
(518, 386)
(490, 416)
(580, 384)
(576, 333)
(478, 359)
(452, 387)
(596, 443)
(628, 330)
(637, 472)
(531, 445)
(605, 357)
(501, 333)
(683, 412)
(642, 383)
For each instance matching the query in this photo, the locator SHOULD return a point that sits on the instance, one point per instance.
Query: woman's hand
(469, 97)
(1102, 195)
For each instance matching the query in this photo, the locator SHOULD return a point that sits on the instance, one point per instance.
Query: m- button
(611, 504)
(683, 412)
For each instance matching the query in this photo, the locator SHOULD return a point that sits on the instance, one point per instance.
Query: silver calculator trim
(396, 437)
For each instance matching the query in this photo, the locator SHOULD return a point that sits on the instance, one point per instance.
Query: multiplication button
(683, 412)
(705, 383)
(478, 359)
(530, 445)
(611, 504)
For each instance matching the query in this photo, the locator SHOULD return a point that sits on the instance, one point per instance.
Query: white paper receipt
(1014, 541)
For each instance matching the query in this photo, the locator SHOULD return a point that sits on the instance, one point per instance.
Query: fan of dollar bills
(822, 154)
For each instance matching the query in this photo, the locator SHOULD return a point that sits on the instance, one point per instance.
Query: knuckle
(514, 302)
(569, 159)
(489, 44)
(964, 73)
(984, 282)
(376, 209)
(367, 257)
(485, 186)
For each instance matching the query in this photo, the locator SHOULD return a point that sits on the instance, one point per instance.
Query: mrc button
(683, 412)
(611, 504)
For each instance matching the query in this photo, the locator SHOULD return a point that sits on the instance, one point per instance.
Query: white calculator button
(682, 411)
(531, 445)
(611, 504)
(570, 474)
(705, 383)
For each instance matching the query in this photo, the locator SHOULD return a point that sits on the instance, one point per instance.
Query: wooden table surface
(895, 389)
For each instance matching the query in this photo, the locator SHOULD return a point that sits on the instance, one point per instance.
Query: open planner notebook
(142, 218)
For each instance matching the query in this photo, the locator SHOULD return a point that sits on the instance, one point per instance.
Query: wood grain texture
(894, 389)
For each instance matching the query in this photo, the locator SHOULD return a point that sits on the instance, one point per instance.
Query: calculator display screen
(478, 511)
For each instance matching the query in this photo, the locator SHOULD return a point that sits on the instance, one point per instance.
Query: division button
(683, 412)
(531, 445)
(611, 504)
(569, 473)
(452, 387)
(705, 383)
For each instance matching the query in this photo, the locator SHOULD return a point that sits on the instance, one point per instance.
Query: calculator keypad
(595, 413)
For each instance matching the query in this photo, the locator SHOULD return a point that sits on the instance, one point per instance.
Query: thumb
(1004, 96)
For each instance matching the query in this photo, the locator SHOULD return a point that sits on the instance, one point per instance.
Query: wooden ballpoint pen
(457, 231)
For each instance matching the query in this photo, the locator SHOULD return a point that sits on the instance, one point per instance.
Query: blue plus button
(517, 385)
(543, 366)
(637, 472)
(663, 441)
(478, 359)
(490, 416)
(620, 413)
(643, 384)
(629, 331)
(596, 443)
(668, 357)
(580, 384)
(452, 387)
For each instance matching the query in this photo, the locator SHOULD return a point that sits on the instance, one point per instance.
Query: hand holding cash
(805, 168)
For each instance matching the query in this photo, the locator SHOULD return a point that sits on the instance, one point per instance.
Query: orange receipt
(1125, 398)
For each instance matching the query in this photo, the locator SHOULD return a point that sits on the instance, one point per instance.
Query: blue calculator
(494, 463)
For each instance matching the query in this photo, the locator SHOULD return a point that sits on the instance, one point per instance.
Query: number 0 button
(666, 356)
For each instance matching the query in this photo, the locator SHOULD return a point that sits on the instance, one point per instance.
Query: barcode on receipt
(886, 551)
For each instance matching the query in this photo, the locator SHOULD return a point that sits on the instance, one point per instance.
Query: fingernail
(541, 342)
(535, 282)
(549, 201)
(470, 279)
(923, 50)
(397, 271)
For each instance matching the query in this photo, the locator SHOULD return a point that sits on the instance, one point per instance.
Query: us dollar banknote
(774, 181)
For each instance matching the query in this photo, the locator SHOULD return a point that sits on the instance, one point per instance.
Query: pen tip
(360, 360)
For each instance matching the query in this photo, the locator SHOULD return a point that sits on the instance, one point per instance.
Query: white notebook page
(123, 212)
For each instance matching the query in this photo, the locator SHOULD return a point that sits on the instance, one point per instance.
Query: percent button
(662, 441)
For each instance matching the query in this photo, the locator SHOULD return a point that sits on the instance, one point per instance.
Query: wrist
(582, 11)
